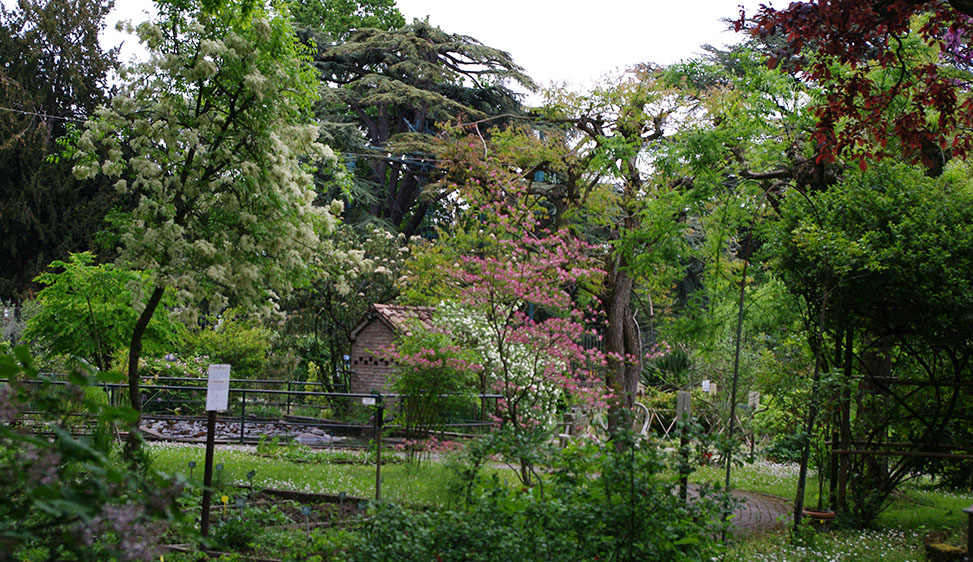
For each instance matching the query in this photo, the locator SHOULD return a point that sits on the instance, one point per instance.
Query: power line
(44, 115)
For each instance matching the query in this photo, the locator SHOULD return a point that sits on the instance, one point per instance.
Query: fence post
(243, 412)
(683, 412)
(288, 398)
(379, 415)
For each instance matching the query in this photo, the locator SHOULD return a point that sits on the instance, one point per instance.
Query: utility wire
(44, 115)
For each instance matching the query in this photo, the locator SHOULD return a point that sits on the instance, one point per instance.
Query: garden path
(762, 511)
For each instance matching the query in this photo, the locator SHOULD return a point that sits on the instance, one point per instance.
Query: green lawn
(404, 482)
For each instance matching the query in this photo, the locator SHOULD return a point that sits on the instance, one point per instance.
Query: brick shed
(376, 332)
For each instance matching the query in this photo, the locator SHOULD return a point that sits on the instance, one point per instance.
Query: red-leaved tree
(902, 79)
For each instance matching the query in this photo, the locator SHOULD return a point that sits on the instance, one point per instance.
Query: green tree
(89, 311)
(359, 267)
(619, 126)
(211, 134)
(53, 73)
(387, 91)
(338, 18)
(882, 264)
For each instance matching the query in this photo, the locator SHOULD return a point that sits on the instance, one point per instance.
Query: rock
(312, 440)
(940, 552)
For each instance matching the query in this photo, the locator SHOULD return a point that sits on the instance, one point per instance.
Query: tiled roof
(403, 318)
(399, 318)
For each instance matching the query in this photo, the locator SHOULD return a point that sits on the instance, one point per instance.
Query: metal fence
(291, 405)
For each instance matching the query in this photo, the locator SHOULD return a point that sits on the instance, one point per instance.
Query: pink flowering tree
(523, 303)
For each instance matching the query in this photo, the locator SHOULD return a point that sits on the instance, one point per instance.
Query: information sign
(218, 388)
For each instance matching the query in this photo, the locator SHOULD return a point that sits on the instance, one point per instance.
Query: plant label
(368, 401)
(218, 388)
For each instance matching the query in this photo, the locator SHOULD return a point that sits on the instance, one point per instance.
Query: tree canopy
(387, 92)
(213, 135)
(897, 74)
(53, 74)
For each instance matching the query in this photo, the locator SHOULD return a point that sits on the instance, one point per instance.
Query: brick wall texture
(370, 371)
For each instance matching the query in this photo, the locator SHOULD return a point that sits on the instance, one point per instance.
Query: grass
(917, 509)
(882, 545)
(777, 479)
(407, 483)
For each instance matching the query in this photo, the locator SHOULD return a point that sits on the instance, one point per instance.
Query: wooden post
(208, 471)
(217, 397)
(683, 408)
(379, 414)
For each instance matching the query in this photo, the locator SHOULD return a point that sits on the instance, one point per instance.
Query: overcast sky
(579, 41)
(560, 40)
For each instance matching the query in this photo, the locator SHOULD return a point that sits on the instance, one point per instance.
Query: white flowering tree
(212, 135)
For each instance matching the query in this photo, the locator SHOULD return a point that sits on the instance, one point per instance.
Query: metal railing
(158, 404)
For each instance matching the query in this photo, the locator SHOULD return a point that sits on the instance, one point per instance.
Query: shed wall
(370, 371)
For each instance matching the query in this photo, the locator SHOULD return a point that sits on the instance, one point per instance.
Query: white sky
(557, 40)
(578, 41)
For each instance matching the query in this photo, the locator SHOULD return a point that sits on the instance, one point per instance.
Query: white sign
(368, 401)
(706, 385)
(218, 388)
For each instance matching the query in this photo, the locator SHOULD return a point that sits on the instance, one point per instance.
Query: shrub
(242, 532)
(234, 340)
(435, 377)
(67, 497)
(89, 311)
(598, 503)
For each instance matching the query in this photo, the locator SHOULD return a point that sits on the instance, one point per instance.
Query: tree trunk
(621, 344)
(134, 440)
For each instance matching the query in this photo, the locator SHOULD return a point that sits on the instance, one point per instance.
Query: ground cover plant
(293, 451)
(592, 502)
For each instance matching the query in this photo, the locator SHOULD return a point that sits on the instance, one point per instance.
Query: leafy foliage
(522, 301)
(434, 376)
(53, 73)
(66, 496)
(89, 311)
(626, 512)
(356, 268)
(212, 135)
(883, 263)
(892, 70)
(339, 18)
(387, 93)
(235, 339)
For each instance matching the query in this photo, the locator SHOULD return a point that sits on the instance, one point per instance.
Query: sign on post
(217, 399)
(218, 388)
(683, 401)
